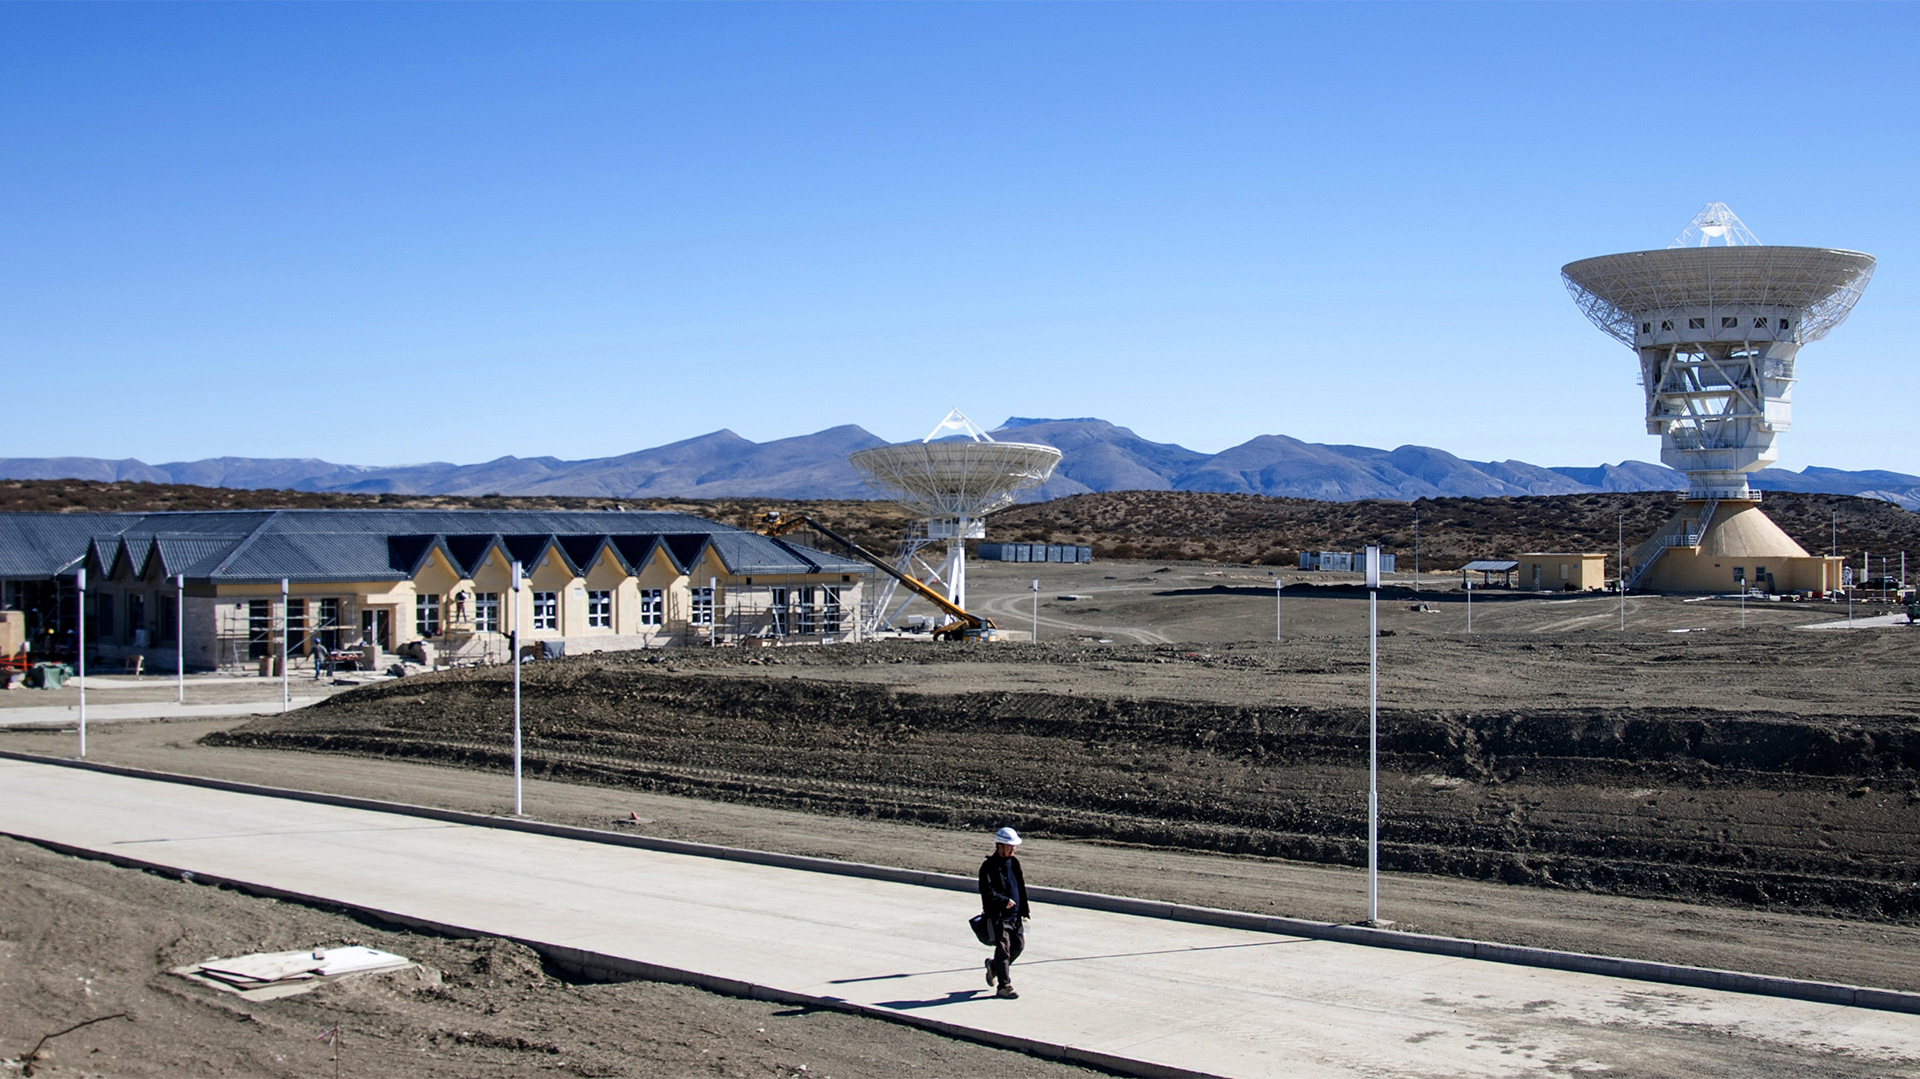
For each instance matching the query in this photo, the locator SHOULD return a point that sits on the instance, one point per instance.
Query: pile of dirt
(83, 940)
(1790, 806)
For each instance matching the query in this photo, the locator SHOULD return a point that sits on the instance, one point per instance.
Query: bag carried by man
(983, 929)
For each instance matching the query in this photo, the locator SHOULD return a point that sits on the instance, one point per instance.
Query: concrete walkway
(1148, 995)
(34, 716)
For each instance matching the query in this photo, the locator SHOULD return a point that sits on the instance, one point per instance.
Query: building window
(1784, 324)
(702, 607)
(1760, 324)
(653, 604)
(830, 610)
(546, 610)
(809, 612)
(1696, 324)
(327, 632)
(486, 612)
(1666, 324)
(296, 624)
(599, 610)
(259, 627)
(779, 612)
(169, 614)
(1729, 323)
(136, 619)
(426, 615)
(1563, 571)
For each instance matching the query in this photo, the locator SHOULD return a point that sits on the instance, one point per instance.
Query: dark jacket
(995, 885)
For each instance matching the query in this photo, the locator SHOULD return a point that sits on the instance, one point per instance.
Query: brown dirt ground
(82, 939)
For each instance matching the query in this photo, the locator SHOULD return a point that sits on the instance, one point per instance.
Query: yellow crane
(959, 624)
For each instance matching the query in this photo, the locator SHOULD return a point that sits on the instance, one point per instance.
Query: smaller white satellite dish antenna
(952, 483)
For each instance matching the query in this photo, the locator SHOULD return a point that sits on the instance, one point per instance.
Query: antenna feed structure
(952, 479)
(1717, 320)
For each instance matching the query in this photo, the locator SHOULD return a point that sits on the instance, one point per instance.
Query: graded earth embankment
(1792, 808)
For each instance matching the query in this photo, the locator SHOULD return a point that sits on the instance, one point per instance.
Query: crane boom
(959, 622)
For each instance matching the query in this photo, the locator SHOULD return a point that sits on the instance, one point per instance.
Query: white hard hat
(1008, 836)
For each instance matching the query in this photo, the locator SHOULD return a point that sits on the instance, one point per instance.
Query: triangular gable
(468, 553)
(685, 549)
(635, 550)
(581, 550)
(405, 553)
(608, 549)
(180, 554)
(101, 552)
(527, 549)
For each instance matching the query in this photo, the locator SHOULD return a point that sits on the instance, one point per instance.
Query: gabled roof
(261, 546)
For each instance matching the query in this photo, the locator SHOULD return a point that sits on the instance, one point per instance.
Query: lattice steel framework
(1718, 330)
(953, 483)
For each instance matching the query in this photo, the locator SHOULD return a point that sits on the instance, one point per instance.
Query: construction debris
(271, 975)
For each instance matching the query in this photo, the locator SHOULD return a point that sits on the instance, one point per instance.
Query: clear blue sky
(391, 233)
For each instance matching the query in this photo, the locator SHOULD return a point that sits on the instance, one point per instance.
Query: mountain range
(1097, 456)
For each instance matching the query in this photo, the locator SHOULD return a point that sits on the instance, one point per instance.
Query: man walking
(1003, 900)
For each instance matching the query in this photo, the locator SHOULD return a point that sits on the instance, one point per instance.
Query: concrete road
(1168, 994)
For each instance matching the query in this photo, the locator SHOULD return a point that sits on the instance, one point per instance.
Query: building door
(376, 627)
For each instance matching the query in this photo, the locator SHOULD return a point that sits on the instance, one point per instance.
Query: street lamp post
(514, 642)
(180, 636)
(80, 649)
(1373, 735)
(286, 621)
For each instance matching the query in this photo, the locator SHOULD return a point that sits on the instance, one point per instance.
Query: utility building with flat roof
(404, 579)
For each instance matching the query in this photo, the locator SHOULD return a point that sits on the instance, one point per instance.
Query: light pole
(286, 618)
(1373, 735)
(180, 636)
(1620, 565)
(514, 642)
(1036, 610)
(1279, 620)
(80, 649)
(1416, 552)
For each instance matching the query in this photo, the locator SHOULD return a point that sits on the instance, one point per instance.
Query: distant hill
(1098, 457)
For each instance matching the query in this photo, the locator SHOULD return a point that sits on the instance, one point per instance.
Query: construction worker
(1003, 901)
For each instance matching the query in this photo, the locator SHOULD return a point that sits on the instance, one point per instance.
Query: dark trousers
(1010, 939)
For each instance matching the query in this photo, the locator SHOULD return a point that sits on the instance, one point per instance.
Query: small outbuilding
(1486, 568)
(1559, 571)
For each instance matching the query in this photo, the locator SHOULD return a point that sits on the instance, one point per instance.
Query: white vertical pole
(713, 614)
(180, 636)
(1279, 619)
(80, 650)
(1620, 564)
(1373, 735)
(286, 618)
(1469, 605)
(1036, 610)
(515, 643)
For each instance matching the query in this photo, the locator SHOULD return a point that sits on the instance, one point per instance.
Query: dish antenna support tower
(1717, 320)
(951, 480)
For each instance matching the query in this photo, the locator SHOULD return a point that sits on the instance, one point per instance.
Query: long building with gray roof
(436, 583)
